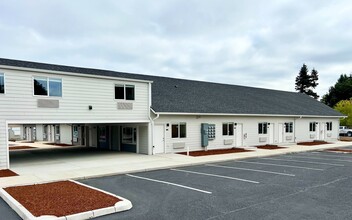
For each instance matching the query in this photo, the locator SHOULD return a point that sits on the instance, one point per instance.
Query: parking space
(309, 185)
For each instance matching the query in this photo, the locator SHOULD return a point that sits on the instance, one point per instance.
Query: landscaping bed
(344, 138)
(214, 152)
(270, 147)
(65, 198)
(7, 173)
(60, 145)
(312, 143)
(20, 147)
(339, 150)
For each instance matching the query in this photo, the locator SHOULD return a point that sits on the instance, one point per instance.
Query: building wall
(77, 94)
(143, 139)
(250, 131)
(303, 133)
(3, 145)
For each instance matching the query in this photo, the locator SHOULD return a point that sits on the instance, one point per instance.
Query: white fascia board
(75, 121)
(253, 115)
(72, 74)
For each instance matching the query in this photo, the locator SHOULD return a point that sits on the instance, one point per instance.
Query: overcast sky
(252, 43)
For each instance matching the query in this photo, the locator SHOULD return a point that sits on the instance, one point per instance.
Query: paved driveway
(311, 185)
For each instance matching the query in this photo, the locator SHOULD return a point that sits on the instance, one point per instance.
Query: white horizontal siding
(78, 93)
(250, 127)
(143, 139)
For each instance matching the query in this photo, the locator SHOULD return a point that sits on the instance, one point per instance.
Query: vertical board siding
(143, 139)
(3, 145)
(250, 127)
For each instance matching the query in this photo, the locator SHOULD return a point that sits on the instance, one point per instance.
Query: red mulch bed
(340, 150)
(312, 143)
(60, 145)
(214, 152)
(21, 147)
(270, 147)
(60, 198)
(7, 173)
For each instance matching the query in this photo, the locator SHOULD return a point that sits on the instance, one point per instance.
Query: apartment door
(239, 135)
(271, 133)
(281, 132)
(159, 139)
(57, 133)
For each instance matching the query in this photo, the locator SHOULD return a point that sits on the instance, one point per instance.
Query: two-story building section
(149, 114)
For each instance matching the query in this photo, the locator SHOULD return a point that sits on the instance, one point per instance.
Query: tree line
(338, 97)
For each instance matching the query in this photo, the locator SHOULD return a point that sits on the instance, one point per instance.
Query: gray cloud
(253, 43)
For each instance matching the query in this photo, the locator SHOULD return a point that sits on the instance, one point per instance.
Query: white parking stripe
(240, 168)
(280, 165)
(316, 158)
(336, 154)
(302, 161)
(169, 183)
(214, 175)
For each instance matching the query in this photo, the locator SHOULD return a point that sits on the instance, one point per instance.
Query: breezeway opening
(65, 144)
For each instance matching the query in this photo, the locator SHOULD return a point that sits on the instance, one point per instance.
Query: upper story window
(312, 126)
(2, 83)
(289, 127)
(124, 92)
(47, 86)
(329, 126)
(227, 129)
(178, 130)
(263, 128)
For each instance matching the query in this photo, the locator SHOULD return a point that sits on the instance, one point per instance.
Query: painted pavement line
(280, 165)
(302, 161)
(329, 154)
(214, 175)
(247, 169)
(316, 158)
(169, 183)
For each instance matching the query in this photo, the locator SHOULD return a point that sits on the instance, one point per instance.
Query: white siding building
(149, 114)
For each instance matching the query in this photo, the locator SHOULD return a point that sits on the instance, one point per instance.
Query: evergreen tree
(305, 83)
(342, 90)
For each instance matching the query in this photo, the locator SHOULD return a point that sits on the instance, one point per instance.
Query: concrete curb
(120, 206)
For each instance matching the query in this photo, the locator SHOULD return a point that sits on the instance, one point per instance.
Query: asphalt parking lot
(310, 185)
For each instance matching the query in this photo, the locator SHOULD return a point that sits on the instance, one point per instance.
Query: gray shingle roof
(189, 96)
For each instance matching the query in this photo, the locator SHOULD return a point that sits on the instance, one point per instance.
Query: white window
(129, 135)
(263, 128)
(289, 127)
(124, 92)
(178, 130)
(47, 86)
(329, 126)
(227, 129)
(2, 83)
(312, 126)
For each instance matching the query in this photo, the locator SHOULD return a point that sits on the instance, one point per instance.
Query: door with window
(159, 139)
(57, 133)
(129, 139)
(103, 137)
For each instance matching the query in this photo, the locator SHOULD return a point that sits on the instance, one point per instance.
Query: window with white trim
(263, 128)
(312, 126)
(227, 129)
(2, 83)
(44, 86)
(129, 135)
(329, 126)
(289, 127)
(178, 130)
(124, 92)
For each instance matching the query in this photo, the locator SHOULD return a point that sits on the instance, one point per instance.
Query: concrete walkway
(37, 166)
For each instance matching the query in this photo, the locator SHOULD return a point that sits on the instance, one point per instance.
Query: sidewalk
(110, 163)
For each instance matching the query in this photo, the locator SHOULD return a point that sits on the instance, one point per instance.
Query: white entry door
(271, 133)
(317, 131)
(281, 132)
(239, 135)
(158, 139)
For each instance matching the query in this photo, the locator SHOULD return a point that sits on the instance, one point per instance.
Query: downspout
(152, 125)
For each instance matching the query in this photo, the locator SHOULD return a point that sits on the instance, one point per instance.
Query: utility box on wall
(207, 133)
